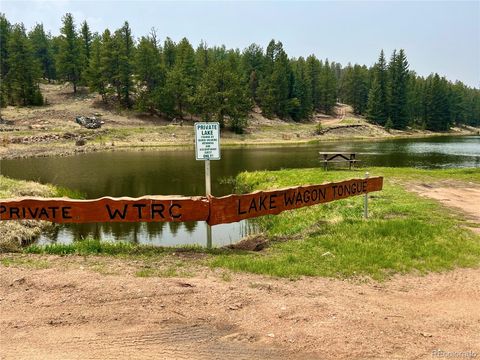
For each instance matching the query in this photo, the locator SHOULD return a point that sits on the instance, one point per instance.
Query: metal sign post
(207, 147)
(208, 191)
(365, 205)
(208, 181)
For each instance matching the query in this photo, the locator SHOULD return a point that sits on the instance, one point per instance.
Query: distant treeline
(214, 83)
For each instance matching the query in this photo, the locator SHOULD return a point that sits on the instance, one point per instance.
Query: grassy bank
(404, 233)
(15, 233)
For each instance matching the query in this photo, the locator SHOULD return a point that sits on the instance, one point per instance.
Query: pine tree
(221, 95)
(23, 70)
(355, 88)
(185, 61)
(125, 48)
(181, 81)
(398, 76)
(5, 33)
(458, 103)
(374, 104)
(301, 105)
(381, 72)
(94, 76)
(377, 107)
(253, 82)
(169, 50)
(42, 51)
(253, 68)
(314, 70)
(175, 95)
(437, 104)
(202, 57)
(280, 81)
(150, 73)
(328, 89)
(415, 96)
(275, 87)
(69, 59)
(109, 66)
(86, 46)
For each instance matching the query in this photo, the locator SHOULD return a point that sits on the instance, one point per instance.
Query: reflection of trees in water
(154, 229)
(53, 232)
(190, 226)
(174, 227)
(82, 231)
(133, 232)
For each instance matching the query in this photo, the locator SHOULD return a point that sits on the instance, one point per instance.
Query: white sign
(207, 141)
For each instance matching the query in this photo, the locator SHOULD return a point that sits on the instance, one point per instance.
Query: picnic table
(328, 157)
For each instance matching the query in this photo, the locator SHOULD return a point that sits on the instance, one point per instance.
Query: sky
(437, 36)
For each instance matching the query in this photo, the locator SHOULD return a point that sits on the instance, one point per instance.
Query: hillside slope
(52, 130)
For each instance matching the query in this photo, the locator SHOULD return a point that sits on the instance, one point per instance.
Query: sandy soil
(75, 310)
(463, 197)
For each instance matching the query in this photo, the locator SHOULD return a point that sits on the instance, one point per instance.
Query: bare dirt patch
(464, 197)
(72, 310)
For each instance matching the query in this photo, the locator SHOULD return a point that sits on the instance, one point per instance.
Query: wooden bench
(330, 157)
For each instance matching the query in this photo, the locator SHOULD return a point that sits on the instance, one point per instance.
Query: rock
(18, 281)
(80, 142)
(236, 306)
(69, 135)
(6, 122)
(89, 122)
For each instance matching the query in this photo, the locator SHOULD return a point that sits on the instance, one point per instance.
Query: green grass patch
(10, 188)
(404, 233)
(95, 247)
(28, 263)
(172, 270)
(90, 246)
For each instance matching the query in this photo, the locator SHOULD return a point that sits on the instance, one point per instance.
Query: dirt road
(73, 310)
(462, 197)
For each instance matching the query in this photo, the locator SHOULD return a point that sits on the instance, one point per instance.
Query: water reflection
(177, 172)
(164, 234)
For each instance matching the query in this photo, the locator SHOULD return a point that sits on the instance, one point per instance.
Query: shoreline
(52, 149)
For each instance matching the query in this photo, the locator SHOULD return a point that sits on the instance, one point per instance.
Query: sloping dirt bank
(73, 310)
(51, 130)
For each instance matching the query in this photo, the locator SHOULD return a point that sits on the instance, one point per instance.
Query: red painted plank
(233, 208)
(221, 210)
(107, 209)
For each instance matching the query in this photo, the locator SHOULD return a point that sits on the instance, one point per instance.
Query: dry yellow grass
(14, 233)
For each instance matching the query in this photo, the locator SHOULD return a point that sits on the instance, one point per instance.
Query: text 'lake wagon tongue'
(233, 208)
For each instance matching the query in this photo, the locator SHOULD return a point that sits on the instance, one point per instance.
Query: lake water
(176, 172)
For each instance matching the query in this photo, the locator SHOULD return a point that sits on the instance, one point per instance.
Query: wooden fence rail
(214, 210)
